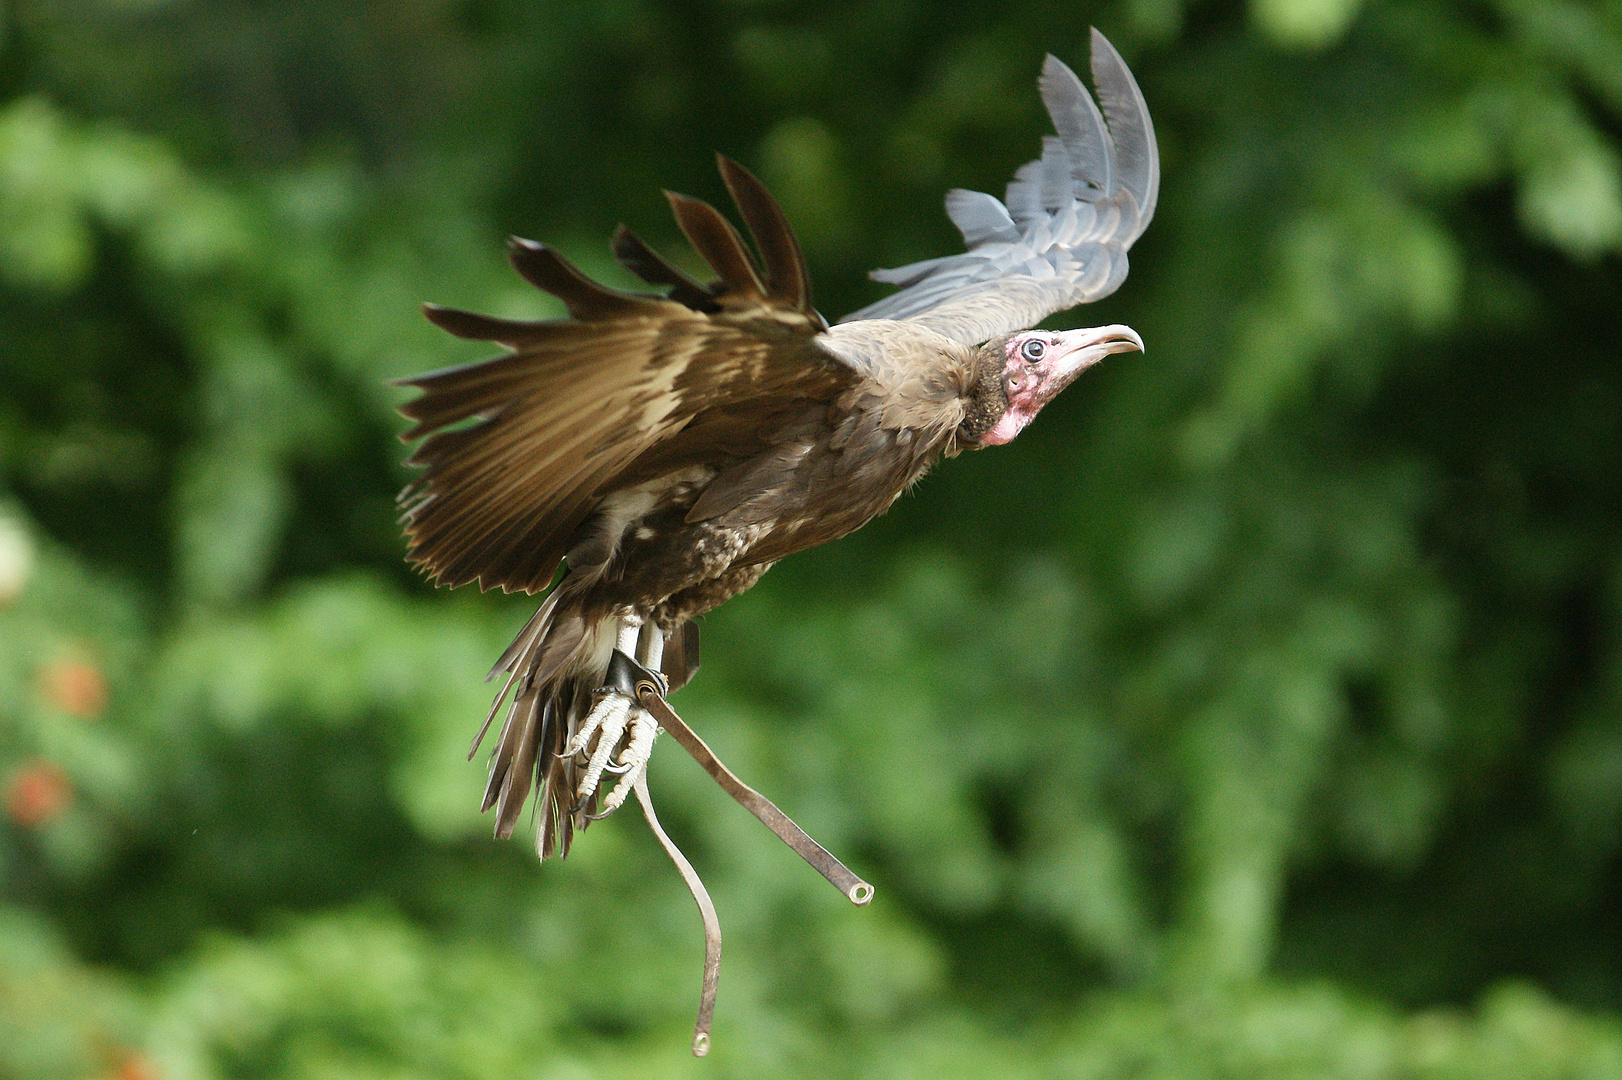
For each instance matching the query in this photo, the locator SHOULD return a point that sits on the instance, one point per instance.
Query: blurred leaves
(353, 993)
(1304, 23)
(1256, 714)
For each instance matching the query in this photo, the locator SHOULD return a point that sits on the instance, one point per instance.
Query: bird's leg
(633, 760)
(605, 722)
(617, 722)
(604, 711)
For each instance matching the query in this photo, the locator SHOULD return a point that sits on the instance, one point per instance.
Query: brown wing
(520, 448)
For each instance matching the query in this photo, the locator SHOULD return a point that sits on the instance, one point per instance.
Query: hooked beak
(1079, 350)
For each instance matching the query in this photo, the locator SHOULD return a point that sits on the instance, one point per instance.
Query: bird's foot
(616, 723)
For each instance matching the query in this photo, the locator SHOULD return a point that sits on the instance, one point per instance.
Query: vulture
(651, 455)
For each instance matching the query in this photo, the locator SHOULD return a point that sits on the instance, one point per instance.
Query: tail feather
(533, 629)
(554, 828)
(554, 667)
(519, 756)
(551, 674)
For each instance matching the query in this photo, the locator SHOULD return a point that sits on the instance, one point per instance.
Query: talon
(588, 728)
(591, 725)
(634, 758)
(617, 735)
(616, 712)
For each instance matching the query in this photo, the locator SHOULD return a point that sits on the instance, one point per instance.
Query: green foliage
(1256, 714)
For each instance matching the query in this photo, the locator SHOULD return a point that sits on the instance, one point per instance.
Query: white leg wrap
(616, 711)
(618, 723)
(643, 728)
(638, 749)
(650, 651)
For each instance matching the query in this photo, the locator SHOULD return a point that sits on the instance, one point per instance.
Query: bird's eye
(1033, 349)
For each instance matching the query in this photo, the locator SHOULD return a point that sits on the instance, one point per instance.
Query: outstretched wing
(518, 450)
(1062, 237)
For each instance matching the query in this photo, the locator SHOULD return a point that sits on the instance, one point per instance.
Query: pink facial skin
(1040, 363)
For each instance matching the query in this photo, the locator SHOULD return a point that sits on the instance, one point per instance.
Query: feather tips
(586, 299)
(1137, 156)
(1086, 142)
(713, 237)
(465, 324)
(650, 266)
(785, 283)
(980, 218)
(786, 279)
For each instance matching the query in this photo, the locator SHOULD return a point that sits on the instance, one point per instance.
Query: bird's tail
(555, 669)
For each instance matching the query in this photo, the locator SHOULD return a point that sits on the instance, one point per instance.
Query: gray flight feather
(1085, 139)
(1062, 237)
(980, 217)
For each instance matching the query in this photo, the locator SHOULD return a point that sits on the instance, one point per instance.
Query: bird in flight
(665, 449)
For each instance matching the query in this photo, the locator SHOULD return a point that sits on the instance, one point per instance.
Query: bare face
(1037, 364)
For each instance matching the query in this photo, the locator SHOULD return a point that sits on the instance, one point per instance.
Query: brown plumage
(665, 450)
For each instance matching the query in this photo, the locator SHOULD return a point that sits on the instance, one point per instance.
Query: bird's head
(1028, 369)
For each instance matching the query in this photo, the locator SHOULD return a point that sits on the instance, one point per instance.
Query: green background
(1258, 713)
